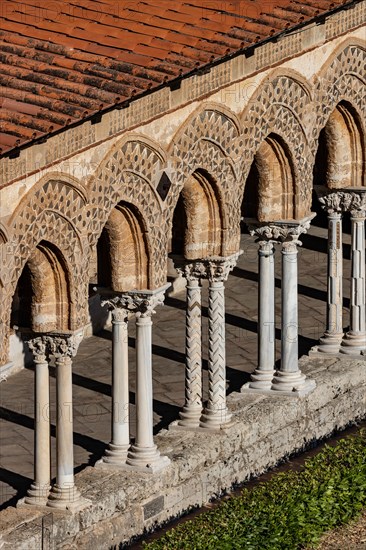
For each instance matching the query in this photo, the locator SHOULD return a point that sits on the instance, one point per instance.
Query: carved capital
(145, 302)
(120, 306)
(336, 202)
(64, 345)
(215, 268)
(39, 347)
(281, 231)
(191, 270)
(358, 206)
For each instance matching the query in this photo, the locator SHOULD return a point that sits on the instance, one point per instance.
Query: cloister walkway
(92, 366)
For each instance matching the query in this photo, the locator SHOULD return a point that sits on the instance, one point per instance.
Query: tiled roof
(61, 61)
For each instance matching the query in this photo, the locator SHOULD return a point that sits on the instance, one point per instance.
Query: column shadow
(19, 482)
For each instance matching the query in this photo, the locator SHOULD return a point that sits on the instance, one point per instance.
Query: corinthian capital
(120, 306)
(358, 206)
(336, 202)
(144, 302)
(64, 345)
(39, 347)
(281, 231)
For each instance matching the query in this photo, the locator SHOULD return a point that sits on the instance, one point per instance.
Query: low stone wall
(265, 429)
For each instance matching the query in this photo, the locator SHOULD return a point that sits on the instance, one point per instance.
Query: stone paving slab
(92, 366)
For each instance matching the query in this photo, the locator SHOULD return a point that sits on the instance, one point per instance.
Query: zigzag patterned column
(354, 342)
(192, 410)
(216, 413)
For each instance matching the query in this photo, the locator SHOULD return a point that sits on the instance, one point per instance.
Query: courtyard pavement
(92, 366)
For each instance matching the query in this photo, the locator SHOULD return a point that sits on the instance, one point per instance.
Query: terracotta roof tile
(63, 60)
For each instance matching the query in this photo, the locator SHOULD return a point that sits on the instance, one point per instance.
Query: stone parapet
(264, 429)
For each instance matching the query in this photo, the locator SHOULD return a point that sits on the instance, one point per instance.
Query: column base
(190, 417)
(330, 342)
(354, 343)
(114, 455)
(261, 379)
(215, 419)
(146, 459)
(37, 495)
(68, 498)
(292, 383)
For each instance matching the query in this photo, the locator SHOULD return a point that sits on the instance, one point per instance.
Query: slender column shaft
(118, 447)
(192, 409)
(40, 488)
(144, 455)
(64, 493)
(216, 413)
(289, 326)
(262, 376)
(144, 405)
(289, 377)
(332, 338)
(64, 424)
(355, 340)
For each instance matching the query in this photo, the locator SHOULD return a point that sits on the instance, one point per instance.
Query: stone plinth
(264, 429)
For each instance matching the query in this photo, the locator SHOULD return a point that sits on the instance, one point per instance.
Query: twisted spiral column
(216, 413)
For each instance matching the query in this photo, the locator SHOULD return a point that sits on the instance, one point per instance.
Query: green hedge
(289, 511)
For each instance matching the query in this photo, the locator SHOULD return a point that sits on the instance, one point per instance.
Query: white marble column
(39, 490)
(192, 410)
(261, 378)
(334, 203)
(143, 454)
(289, 378)
(216, 414)
(354, 342)
(64, 493)
(116, 453)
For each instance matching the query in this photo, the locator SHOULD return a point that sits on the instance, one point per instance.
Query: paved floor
(92, 366)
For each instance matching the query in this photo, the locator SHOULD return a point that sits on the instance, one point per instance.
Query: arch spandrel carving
(130, 173)
(340, 79)
(206, 142)
(281, 106)
(51, 227)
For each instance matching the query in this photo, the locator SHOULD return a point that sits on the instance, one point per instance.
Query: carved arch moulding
(131, 173)
(53, 228)
(342, 78)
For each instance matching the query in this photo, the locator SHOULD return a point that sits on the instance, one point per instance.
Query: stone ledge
(265, 430)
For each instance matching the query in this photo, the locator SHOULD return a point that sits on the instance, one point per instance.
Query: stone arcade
(116, 189)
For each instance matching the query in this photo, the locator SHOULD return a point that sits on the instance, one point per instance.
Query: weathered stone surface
(264, 430)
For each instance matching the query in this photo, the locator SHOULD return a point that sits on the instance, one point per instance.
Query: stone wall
(264, 430)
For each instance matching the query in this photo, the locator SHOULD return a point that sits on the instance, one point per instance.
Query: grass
(290, 511)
